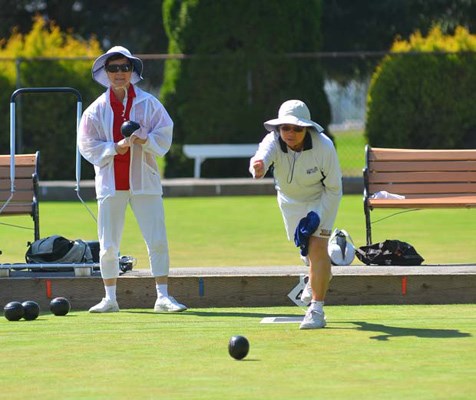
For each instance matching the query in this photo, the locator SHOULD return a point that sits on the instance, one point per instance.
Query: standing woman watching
(126, 170)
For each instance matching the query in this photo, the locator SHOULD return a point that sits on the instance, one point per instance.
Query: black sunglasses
(118, 67)
(295, 128)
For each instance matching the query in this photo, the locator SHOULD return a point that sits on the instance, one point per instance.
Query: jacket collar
(307, 143)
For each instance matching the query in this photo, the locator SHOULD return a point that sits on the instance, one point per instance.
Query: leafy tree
(373, 25)
(48, 121)
(136, 25)
(14, 15)
(425, 100)
(239, 72)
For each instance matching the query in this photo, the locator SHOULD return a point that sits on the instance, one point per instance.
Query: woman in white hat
(308, 181)
(126, 170)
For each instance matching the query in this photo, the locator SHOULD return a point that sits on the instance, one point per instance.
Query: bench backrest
(25, 196)
(420, 173)
(219, 150)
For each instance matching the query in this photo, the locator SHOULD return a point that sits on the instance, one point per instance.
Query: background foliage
(239, 74)
(333, 26)
(48, 121)
(373, 25)
(425, 100)
(135, 25)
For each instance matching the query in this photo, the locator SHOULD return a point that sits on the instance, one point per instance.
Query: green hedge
(421, 97)
(238, 74)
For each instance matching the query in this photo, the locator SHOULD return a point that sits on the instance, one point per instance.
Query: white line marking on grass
(281, 320)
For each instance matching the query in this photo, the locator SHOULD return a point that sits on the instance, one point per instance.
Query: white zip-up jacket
(310, 176)
(96, 143)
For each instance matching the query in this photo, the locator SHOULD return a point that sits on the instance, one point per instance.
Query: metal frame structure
(80, 269)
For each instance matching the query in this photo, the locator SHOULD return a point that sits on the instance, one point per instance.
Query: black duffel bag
(389, 252)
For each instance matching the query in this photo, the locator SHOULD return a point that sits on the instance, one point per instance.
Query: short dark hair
(115, 57)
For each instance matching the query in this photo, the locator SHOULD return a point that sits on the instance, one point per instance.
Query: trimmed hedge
(423, 98)
(238, 74)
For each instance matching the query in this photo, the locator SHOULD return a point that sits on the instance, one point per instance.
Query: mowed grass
(248, 231)
(350, 147)
(365, 352)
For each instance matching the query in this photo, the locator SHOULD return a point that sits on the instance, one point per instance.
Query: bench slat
(17, 209)
(20, 172)
(18, 195)
(20, 184)
(390, 166)
(427, 202)
(422, 177)
(413, 154)
(415, 188)
(20, 160)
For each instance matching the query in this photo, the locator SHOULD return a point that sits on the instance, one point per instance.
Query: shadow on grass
(238, 314)
(217, 314)
(394, 331)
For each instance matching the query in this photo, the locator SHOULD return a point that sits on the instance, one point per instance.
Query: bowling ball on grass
(13, 311)
(60, 306)
(238, 347)
(32, 310)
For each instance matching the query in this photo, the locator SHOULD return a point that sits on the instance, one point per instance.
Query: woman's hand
(136, 139)
(258, 167)
(122, 146)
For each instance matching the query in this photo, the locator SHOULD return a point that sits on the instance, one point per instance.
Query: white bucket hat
(293, 112)
(100, 74)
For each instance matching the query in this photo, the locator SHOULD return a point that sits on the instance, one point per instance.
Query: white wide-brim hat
(99, 72)
(293, 112)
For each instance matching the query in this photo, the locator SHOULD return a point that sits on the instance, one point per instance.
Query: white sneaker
(168, 305)
(313, 320)
(105, 306)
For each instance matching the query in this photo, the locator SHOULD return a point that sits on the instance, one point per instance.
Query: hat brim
(272, 124)
(100, 75)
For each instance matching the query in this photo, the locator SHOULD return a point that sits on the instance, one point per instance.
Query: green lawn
(365, 352)
(350, 147)
(248, 231)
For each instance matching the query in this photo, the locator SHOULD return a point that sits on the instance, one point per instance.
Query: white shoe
(313, 320)
(105, 306)
(168, 305)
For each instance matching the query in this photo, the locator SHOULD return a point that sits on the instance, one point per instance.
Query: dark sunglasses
(118, 67)
(295, 128)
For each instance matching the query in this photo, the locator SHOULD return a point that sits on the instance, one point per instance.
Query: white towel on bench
(383, 194)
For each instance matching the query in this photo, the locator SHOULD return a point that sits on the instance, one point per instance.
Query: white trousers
(149, 213)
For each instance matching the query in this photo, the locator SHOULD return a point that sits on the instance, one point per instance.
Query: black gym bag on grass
(389, 252)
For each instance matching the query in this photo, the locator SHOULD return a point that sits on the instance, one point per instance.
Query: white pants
(149, 212)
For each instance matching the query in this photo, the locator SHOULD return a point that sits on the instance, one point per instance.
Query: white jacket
(96, 143)
(310, 176)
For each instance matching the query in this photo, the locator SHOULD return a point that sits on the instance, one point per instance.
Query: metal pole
(19, 133)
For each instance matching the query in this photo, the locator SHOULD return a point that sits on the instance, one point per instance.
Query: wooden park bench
(25, 196)
(427, 179)
(200, 152)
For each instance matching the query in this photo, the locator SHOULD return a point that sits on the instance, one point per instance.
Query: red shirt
(121, 161)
